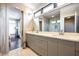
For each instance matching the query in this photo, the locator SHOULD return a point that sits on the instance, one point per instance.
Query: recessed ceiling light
(69, 17)
(53, 21)
(52, 16)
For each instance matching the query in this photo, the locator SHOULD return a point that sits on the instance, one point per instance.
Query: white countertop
(66, 36)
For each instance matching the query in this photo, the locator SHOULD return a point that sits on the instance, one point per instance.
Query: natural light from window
(59, 4)
(48, 8)
(12, 25)
(38, 13)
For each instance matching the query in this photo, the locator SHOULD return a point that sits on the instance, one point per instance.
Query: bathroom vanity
(53, 44)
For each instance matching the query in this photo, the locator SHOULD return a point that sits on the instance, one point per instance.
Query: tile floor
(15, 49)
(22, 52)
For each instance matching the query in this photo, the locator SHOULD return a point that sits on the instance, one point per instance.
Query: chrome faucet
(61, 32)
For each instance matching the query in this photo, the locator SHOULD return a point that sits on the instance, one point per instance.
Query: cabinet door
(52, 47)
(77, 48)
(38, 44)
(28, 40)
(41, 46)
(44, 47)
(66, 48)
(31, 41)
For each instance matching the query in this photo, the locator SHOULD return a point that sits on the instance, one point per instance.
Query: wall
(27, 21)
(77, 19)
(3, 29)
(36, 20)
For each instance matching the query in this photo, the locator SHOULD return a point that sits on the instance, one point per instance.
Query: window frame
(49, 5)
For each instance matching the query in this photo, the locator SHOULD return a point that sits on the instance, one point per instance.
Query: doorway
(14, 34)
(69, 24)
(40, 25)
(14, 16)
(55, 26)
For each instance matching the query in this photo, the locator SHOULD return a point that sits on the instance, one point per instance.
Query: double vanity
(53, 44)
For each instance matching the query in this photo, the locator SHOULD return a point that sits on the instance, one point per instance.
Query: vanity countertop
(66, 36)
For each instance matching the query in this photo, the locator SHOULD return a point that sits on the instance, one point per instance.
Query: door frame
(22, 29)
(74, 22)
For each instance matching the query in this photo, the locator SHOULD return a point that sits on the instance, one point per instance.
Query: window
(53, 22)
(12, 25)
(49, 7)
(38, 13)
(59, 4)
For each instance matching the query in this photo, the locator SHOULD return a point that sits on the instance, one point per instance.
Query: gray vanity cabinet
(38, 44)
(29, 41)
(52, 47)
(66, 48)
(77, 48)
(41, 46)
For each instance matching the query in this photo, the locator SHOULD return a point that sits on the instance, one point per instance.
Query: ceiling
(35, 6)
(51, 13)
(14, 13)
(66, 9)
